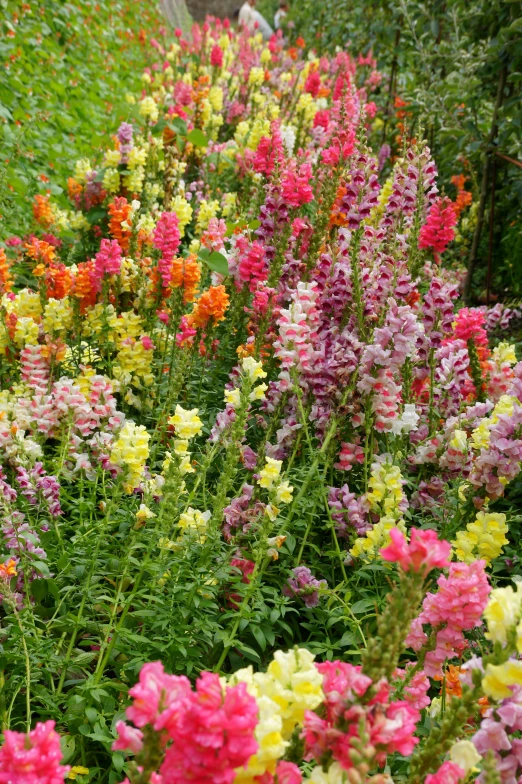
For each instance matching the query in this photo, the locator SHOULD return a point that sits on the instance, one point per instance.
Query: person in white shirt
(253, 20)
(280, 14)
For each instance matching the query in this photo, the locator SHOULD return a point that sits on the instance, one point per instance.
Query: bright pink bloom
(216, 56)
(166, 238)
(456, 607)
(270, 151)
(252, 267)
(108, 259)
(438, 230)
(129, 738)
(295, 185)
(288, 773)
(33, 758)
(469, 323)
(416, 693)
(448, 773)
(341, 148)
(313, 83)
(423, 553)
(147, 343)
(322, 119)
(154, 693)
(213, 734)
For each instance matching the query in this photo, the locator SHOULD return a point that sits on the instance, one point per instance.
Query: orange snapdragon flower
(119, 210)
(8, 570)
(6, 281)
(211, 306)
(42, 211)
(186, 273)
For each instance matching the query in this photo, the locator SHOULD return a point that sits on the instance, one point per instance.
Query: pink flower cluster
(107, 261)
(421, 554)
(438, 230)
(295, 185)
(456, 607)
(390, 726)
(166, 238)
(33, 758)
(448, 773)
(208, 733)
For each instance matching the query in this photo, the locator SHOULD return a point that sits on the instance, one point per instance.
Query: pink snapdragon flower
(213, 733)
(270, 151)
(32, 758)
(166, 238)
(469, 323)
(438, 230)
(216, 56)
(129, 738)
(423, 553)
(108, 259)
(295, 185)
(456, 607)
(154, 693)
(448, 773)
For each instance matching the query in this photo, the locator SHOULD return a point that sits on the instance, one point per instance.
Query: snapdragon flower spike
(32, 758)
(166, 238)
(448, 773)
(438, 231)
(456, 607)
(423, 553)
(107, 261)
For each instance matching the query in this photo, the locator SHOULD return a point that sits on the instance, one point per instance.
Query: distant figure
(280, 13)
(253, 20)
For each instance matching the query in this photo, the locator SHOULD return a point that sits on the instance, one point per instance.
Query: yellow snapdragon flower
(502, 612)
(482, 539)
(195, 522)
(131, 451)
(270, 472)
(253, 369)
(58, 315)
(187, 423)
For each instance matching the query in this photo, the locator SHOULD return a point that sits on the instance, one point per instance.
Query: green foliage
(66, 69)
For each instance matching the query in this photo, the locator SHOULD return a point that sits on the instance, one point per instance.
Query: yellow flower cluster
(58, 315)
(503, 618)
(183, 211)
(195, 522)
(130, 451)
(133, 364)
(290, 686)
(187, 425)
(207, 211)
(384, 498)
(482, 539)
(254, 371)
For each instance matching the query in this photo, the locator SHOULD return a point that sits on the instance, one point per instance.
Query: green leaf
(259, 636)
(197, 138)
(68, 746)
(362, 606)
(178, 125)
(42, 567)
(216, 262)
(39, 589)
(118, 760)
